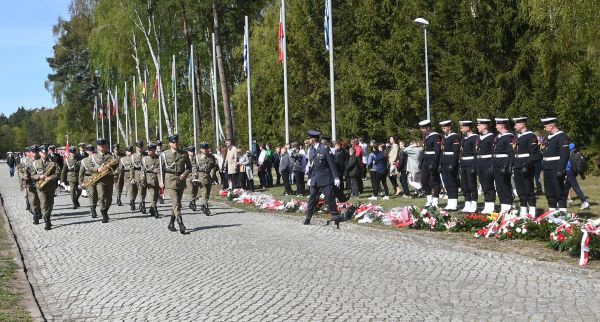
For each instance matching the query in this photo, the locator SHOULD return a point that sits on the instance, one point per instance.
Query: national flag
(191, 71)
(144, 93)
(245, 55)
(95, 109)
(101, 113)
(67, 147)
(115, 107)
(326, 23)
(281, 36)
(133, 101)
(155, 92)
(173, 76)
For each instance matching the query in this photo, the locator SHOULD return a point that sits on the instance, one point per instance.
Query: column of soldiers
(495, 160)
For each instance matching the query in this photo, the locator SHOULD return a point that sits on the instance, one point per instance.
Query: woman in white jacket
(413, 151)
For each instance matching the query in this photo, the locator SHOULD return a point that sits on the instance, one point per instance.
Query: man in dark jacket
(285, 170)
(341, 158)
(10, 160)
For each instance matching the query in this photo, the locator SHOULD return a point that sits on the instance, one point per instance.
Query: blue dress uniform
(468, 175)
(449, 165)
(430, 175)
(527, 153)
(504, 154)
(556, 155)
(485, 173)
(322, 174)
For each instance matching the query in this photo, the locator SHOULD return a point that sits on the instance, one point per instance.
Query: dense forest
(486, 58)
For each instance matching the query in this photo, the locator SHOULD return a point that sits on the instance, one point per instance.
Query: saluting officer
(177, 167)
(556, 155)
(119, 183)
(192, 180)
(207, 168)
(430, 175)
(449, 164)
(104, 186)
(44, 170)
(152, 177)
(468, 173)
(126, 169)
(85, 171)
(32, 195)
(137, 175)
(70, 176)
(527, 153)
(322, 176)
(504, 154)
(485, 171)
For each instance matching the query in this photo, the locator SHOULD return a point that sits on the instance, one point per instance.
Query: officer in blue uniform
(430, 161)
(485, 172)
(556, 155)
(527, 153)
(468, 173)
(449, 164)
(504, 154)
(322, 176)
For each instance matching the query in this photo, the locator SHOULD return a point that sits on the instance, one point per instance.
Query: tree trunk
(225, 91)
(187, 32)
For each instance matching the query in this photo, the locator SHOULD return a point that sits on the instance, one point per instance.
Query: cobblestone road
(246, 266)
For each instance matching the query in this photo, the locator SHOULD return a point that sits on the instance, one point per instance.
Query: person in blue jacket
(571, 182)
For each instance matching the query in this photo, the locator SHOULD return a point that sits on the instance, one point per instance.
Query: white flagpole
(135, 121)
(247, 43)
(127, 122)
(214, 71)
(331, 73)
(145, 107)
(174, 81)
(160, 123)
(285, 81)
(193, 80)
(103, 115)
(96, 114)
(108, 98)
(116, 104)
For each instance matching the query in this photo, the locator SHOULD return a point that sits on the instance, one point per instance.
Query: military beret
(425, 123)
(158, 142)
(129, 148)
(89, 147)
(151, 146)
(174, 138)
(72, 149)
(501, 120)
(519, 119)
(191, 149)
(204, 145)
(314, 134)
(139, 143)
(101, 141)
(548, 120)
(446, 123)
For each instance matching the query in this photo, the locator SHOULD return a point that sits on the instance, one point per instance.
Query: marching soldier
(192, 181)
(86, 171)
(70, 175)
(55, 157)
(177, 167)
(137, 175)
(152, 177)
(104, 186)
(127, 175)
(504, 154)
(449, 164)
(485, 146)
(81, 154)
(207, 167)
(468, 173)
(556, 155)
(527, 153)
(21, 169)
(159, 151)
(430, 176)
(322, 176)
(44, 171)
(118, 175)
(32, 195)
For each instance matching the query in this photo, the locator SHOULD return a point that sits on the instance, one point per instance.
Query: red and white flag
(281, 36)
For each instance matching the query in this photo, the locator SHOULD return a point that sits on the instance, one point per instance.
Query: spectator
(232, 164)
(285, 169)
(246, 171)
(262, 176)
(413, 153)
(364, 155)
(222, 158)
(341, 157)
(353, 172)
(268, 166)
(393, 152)
(276, 158)
(299, 162)
(401, 168)
(571, 182)
(538, 166)
(358, 152)
(11, 164)
(376, 164)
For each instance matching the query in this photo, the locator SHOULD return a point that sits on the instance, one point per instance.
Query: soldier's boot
(36, 219)
(154, 212)
(171, 226)
(104, 216)
(27, 205)
(39, 215)
(119, 203)
(93, 210)
(206, 210)
(193, 205)
(48, 225)
(77, 202)
(143, 207)
(132, 205)
(151, 210)
(161, 199)
(181, 225)
(307, 219)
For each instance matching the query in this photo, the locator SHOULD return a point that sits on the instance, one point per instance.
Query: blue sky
(26, 41)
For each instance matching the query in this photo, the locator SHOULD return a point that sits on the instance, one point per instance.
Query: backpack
(578, 162)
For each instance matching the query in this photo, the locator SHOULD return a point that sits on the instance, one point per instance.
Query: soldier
(104, 186)
(527, 153)
(468, 175)
(119, 183)
(86, 171)
(126, 170)
(81, 154)
(32, 195)
(430, 176)
(55, 157)
(207, 167)
(159, 151)
(137, 167)
(177, 167)
(485, 145)
(152, 177)
(21, 168)
(449, 164)
(44, 170)
(322, 176)
(70, 176)
(192, 181)
(504, 155)
(556, 155)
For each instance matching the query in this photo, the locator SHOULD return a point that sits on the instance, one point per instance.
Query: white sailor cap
(519, 119)
(466, 123)
(446, 123)
(484, 121)
(425, 123)
(548, 120)
(499, 120)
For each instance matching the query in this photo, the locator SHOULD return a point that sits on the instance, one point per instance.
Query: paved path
(260, 267)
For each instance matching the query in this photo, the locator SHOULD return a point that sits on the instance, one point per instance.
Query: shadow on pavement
(211, 227)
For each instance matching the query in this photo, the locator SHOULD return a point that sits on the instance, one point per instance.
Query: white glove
(308, 182)
(336, 182)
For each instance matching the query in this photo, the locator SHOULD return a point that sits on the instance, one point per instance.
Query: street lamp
(424, 23)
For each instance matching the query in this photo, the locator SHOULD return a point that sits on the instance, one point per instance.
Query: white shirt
(262, 156)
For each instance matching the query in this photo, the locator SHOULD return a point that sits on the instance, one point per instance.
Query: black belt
(125, 170)
(175, 173)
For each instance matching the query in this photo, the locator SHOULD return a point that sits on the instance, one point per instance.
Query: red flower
(569, 231)
(508, 234)
(560, 238)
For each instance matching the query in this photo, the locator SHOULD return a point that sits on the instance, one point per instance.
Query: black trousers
(554, 187)
(354, 185)
(450, 177)
(524, 184)
(378, 180)
(468, 183)
(299, 177)
(430, 180)
(394, 182)
(315, 193)
(486, 179)
(404, 182)
(286, 182)
(504, 186)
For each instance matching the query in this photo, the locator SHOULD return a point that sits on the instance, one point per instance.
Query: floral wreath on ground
(563, 231)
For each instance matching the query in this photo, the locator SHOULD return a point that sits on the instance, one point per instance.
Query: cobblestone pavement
(260, 267)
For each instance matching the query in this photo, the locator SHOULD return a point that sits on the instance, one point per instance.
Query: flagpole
(135, 109)
(285, 78)
(160, 123)
(96, 114)
(116, 104)
(193, 80)
(215, 93)
(174, 80)
(108, 98)
(331, 73)
(247, 60)
(145, 106)
(127, 123)
(103, 113)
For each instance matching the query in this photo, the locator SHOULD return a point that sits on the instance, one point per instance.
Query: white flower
(524, 231)
(423, 211)
(519, 230)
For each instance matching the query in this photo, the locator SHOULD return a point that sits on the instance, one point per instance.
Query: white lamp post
(424, 23)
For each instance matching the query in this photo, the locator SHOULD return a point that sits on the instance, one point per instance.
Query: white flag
(326, 24)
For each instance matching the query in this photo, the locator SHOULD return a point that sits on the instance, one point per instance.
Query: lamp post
(424, 23)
